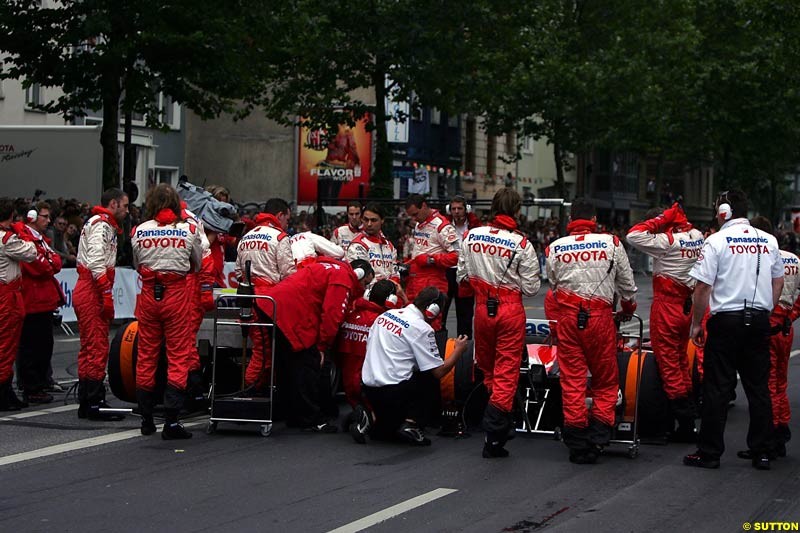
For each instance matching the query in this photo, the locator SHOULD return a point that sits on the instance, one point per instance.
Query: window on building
(469, 145)
(452, 121)
(436, 116)
(33, 95)
(491, 155)
(527, 145)
(168, 175)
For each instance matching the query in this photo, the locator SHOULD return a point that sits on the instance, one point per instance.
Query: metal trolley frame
(238, 407)
(632, 428)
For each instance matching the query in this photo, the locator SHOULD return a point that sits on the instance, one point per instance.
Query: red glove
(106, 290)
(680, 220)
(628, 307)
(672, 213)
(207, 297)
(422, 260)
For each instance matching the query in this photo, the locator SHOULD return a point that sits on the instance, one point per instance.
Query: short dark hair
(382, 290)
(353, 204)
(458, 199)
(6, 208)
(737, 200)
(111, 194)
(374, 208)
(581, 209)
(416, 200)
(427, 296)
(762, 223)
(363, 264)
(275, 206)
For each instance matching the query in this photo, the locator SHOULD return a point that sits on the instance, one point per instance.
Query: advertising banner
(334, 168)
(127, 285)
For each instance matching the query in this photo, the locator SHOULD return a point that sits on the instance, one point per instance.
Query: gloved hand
(106, 290)
(670, 214)
(628, 309)
(787, 326)
(423, 260)
(207, 297)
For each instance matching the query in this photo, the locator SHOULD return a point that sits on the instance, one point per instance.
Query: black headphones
(390, 302)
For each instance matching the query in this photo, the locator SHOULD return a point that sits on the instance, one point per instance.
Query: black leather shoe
(583, 457)
(492, 451)
(696, 459)
(175, 431)
(148, 426)
(749, 456)
(761, 462)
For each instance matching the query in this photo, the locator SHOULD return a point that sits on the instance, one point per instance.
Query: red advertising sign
(334, 168)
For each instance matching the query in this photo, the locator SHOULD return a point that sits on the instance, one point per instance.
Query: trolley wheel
(211, 428)
(557, 433)
(266, 430)
(633, 452)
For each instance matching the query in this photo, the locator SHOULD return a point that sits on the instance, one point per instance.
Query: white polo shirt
(399, 342)
(729, 262)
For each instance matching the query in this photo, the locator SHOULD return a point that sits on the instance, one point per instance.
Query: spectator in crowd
(60, 242)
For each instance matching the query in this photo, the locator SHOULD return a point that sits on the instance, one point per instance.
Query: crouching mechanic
(585, 269)
(166, 248)
(675, 246)
(501, 265)
(311, 306)
(401, 345)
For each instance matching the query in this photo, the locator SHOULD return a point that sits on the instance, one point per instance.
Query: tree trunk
(561, 186)
(381, 181)
(129, 163)
(112, 93)
(659, 178)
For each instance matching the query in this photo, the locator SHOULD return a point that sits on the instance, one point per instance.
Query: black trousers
(35, 352)
(299, 373)
(730, 347)
(393, 404)
(465, 306)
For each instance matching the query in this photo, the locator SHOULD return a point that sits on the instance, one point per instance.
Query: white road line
(77, 445)
(40, 412)
(793, 353)
(71, 339)
(391, 512)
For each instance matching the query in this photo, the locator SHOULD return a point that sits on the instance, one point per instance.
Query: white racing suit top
(674, 255)
(269, 251)
(589, 266)
(791, 280)
(379, 251)
(496, 260)
(174, 248)
(400, 341)
(97, 247)
(435, 236)
(306, 246)
(13, 250)
(203, 238)
(344, 235)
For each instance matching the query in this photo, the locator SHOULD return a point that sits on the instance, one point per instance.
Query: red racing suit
(165, 250)
(41, 292)
(379, 252)
(92, 299)
(312, 303)
(433, 250)
(585, 269)
(674, 251)
(780, 344)
(202, 284)
(13, 250)
(344, 235)
(351, 345)
(269, 251)
(307, 246)
(499, 263)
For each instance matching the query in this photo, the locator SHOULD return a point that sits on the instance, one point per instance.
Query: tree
(119, 54)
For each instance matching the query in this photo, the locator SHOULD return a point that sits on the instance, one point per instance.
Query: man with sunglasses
(739, 278)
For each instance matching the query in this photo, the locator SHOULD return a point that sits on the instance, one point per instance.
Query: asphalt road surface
(60, 473)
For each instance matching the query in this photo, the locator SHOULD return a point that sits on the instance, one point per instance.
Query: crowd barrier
(127, 285)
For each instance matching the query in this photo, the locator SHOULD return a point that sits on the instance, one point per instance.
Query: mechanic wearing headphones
(502, 266)
(42, 295)
(93, 302)
(463, 219)
(740, 277)
(311, 306)
(401, 345)
(585, 270)
(13, 251)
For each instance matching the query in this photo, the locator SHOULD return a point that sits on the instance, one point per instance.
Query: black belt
(740, 312)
